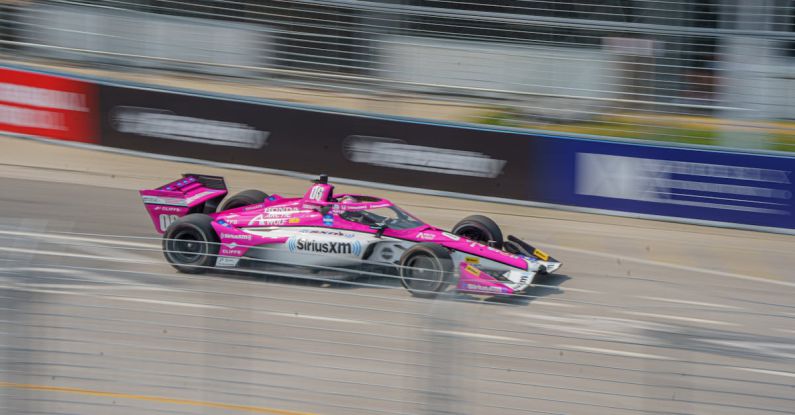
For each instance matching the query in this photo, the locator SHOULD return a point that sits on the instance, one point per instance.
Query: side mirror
(324, 210)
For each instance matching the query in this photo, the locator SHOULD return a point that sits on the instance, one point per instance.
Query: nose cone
(549, 267)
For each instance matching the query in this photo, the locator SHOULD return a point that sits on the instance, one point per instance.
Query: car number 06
(317, 193)
(166, 220)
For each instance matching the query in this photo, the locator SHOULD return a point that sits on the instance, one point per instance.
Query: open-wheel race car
(202, 231)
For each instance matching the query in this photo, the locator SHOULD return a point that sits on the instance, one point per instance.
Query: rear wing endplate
(193, 193)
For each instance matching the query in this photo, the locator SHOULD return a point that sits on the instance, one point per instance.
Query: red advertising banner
(47, 106)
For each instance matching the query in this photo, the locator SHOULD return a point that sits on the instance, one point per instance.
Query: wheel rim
(422, 273)
(474, 233)
(186, 247)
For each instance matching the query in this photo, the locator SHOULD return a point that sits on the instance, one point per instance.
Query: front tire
(426, 269)
(481, 229)
(190, 244)
(244, 198)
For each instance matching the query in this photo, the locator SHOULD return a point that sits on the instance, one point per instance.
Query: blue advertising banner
(720, 186)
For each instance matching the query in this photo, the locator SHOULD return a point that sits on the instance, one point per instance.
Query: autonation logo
(390, 152)
(152, 122)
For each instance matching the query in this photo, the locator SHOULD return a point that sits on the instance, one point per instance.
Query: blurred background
(713, 72)
(547, 116)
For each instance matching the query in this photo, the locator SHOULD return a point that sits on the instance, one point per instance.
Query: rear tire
(190, 244)
(426, 269)
(479, 228)
(244, 198)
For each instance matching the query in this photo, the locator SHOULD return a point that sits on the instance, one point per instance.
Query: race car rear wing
(193, 193)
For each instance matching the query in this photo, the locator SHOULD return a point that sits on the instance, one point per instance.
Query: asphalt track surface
(645, 317)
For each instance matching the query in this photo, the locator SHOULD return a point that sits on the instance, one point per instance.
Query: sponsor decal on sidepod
(451, 236)
(265, 220)
(487, 288)
(324, 247)
(328, 220)
(226, 262)
(426, 236)
(236, 236)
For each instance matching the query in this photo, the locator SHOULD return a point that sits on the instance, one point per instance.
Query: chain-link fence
(699, 71)
(98, 324)
(92, 320)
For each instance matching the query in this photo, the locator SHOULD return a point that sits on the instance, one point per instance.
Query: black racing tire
(244, 198)
(190, 244)
(426, 269)
(479, 228)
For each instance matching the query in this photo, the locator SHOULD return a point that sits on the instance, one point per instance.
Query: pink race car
(354, 233)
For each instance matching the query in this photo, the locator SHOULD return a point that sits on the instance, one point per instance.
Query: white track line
(99, 286)
(311, 317)
(73, 255)
(576, 290)
(86, 280)
(556, 319)
(677, 301)
(766, 372)
(550, 303)
(679, 318)
(38, 290)
(81, 239)
(479, 336)
(169, 303)
(778, 350)
(615, 352)
(670, 265)
(113, 298)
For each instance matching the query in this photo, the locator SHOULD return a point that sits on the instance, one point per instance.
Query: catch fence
(98, 324)
(699, 72)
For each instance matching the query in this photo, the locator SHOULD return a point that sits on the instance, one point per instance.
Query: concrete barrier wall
(696, 185)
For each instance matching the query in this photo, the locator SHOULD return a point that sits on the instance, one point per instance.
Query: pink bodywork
(173, 200)
(283, 212)
(181, 196)
(473, 280)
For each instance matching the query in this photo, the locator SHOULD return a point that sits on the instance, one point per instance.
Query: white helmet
(348, 199)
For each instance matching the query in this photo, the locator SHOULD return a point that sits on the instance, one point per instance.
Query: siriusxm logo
(325, 247)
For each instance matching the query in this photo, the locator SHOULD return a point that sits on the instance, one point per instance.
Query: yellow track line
(159, 399)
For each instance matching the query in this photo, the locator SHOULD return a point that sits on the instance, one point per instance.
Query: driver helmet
(348, 199)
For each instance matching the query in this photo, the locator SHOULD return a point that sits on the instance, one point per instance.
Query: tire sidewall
(205, 236)
(244, 198)
(444, 266)
(483, 224)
